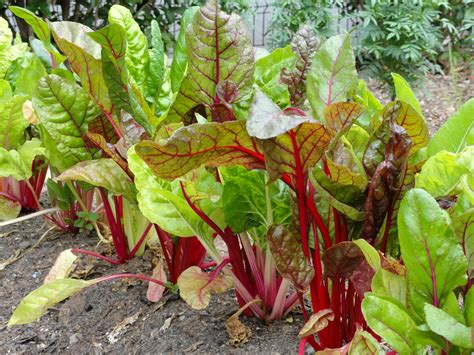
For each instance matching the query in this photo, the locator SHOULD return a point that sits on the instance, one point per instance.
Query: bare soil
(116, 317)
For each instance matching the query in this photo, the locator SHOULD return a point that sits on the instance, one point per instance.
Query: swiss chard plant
(22, 164)
(343, 159)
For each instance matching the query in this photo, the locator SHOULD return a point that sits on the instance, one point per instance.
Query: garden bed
(117, 317)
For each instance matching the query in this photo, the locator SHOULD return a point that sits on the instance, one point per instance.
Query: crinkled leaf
(317, 322)
(404, 93)
(442, 172)
(304, 44)
(213, 144)
(101, 173)
(75, 33)
(8, 209)
(124, 95)
(6, 92)
(266, 120)
(296, 151)
(155, 69)
(180, 54)
(31, 73)
(445, 325)
(412, 122)
(62, 267)
(84, 55)
(332, 74)
(387, 180)
(267, 75)
(456, 133)
(340, 116)
(219, 49)
(12, 123)
(361, 278)
(347, 210)
(137, 56)
(41, 30)
(341, 260)
(390, 321)
(18, 163)
(65, 110)
(37, 302)
(289, 258)
(196, 287)
(434, 259)
(6, 38)
(162, 206)
(108, 150)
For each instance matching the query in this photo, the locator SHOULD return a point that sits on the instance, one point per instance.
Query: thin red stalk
(302, 346)
(337, 226)
(97, 255)
(178, 253)
(207, 265)
(200, 213)
(9, 196)
(140, 242)
(320, 223)
(133, 276)
(300, 194)
(120, 248)
(217, 270)
(165, 241)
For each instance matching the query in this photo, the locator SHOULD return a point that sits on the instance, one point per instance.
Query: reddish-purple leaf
(341, 260)
(304, 44)
(289, 258)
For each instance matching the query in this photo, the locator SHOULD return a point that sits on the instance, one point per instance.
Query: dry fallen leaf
(120, 328)
(317, 322)
(238, 332)
(62, 266)
(167, 322)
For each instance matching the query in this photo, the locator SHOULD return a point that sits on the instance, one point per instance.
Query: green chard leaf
(137, 56)
(166, 208)
(83, 54)
(125, 96)
(456, 133)
(404, 93)
(155, 69)
(8, 209)
(448, 327)
(390, 321)
(41, 30)
(6, 37)
(220, 54)
(180, 54)
(332, 75)
(12, 123)
(66, 128)
(37, 302)
(267, 75)
(434, 259)
(101, 173)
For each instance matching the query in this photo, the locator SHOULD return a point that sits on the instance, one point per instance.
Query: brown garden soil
(116, 317)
